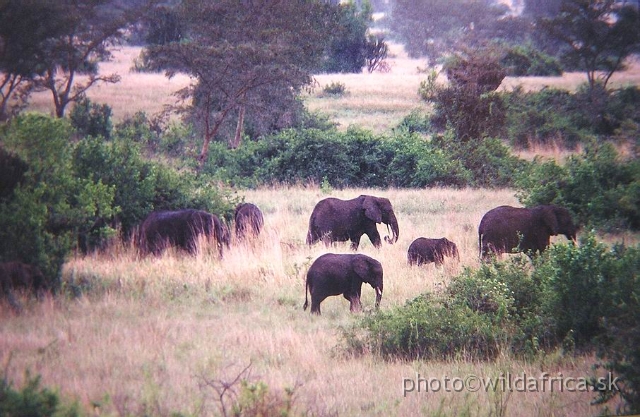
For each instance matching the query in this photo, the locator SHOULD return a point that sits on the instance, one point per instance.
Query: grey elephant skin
(335, 274)
(425, 250)
(18, 276)
(181, 229)
(507, 229)
(335, 220)
(248, 220)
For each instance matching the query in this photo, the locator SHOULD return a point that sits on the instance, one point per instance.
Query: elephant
(514, 229)
(19, 276)
(181, 229)
(335, 220)
(424, 250)
(335, 274)
(248, 220)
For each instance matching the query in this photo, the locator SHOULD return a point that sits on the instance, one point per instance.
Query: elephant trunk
(378, 296)
(395, 231)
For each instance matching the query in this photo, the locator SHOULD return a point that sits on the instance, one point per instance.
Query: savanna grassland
(156, 336)
(148, 334)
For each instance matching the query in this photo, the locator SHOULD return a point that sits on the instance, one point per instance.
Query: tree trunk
(235, 143)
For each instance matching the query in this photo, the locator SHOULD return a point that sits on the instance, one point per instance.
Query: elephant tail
(306, 297)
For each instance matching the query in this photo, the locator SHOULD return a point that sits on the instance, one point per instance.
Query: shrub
(91, 119)
(582, 296)
(335, 89)
(598, 186)
(40, 221)
(525, 60)
(33, 400)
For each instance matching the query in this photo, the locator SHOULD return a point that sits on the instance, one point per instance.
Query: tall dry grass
(147, 334)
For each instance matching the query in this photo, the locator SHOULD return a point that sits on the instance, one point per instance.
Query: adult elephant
(335, 220)
(424, 250)
(335, 274)
(513, 229)
(181, 229)
(248, 220)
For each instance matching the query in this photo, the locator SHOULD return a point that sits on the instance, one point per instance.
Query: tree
(243, 56)
(599, 36)
(433, 28)
(83, 32)
(25, 27)
(347, 45)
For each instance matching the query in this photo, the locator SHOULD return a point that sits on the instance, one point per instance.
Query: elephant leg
(374, 236)
(355, 304)
(355, 242)
(315, 304)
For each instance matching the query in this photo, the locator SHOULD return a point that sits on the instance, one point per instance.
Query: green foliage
(33, 400)
(469, 105)
(618, 348)
(526, 60)
(357, 158)
(91, 119)
(598, 186)
(572, 297)
(543, 117)
(346, 47)
(553, 115)
(40, 221)
(78, 194)
(255, 399)
(336, 88)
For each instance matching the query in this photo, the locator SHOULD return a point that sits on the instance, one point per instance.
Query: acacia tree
(242, 55)
(599, 36)
(434, 28)
(85, 30)
(25, 28)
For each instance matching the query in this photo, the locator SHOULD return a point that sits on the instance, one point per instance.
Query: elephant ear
(361, 268)
(372, 209)
(550, 219)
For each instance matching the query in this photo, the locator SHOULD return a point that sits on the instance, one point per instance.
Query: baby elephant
(424, 251)
(335, 274)
(249, 220)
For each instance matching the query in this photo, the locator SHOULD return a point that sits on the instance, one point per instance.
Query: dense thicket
(70, 194)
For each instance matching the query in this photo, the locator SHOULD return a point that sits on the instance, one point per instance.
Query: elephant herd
(502, 229)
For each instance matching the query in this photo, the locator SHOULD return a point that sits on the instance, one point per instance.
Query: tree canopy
(244, 57)
(597, 35)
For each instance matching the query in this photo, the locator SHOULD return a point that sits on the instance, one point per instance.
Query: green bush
(335, 89)
(41, 219)
(358, 158)
(32, 400)
(563, 300)
(599, 187)
(91, 119)
(525, 60)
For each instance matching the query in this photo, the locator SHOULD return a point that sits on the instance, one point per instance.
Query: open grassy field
(377, 101)
(155, 336)
(161, 335)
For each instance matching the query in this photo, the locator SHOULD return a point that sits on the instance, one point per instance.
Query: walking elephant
(335, 220)
(248, 220)
(512, 229)
(335, 274)
(424, 250)
(181, 229)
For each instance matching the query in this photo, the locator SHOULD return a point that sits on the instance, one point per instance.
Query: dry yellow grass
(149, 332)
(376, 101)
